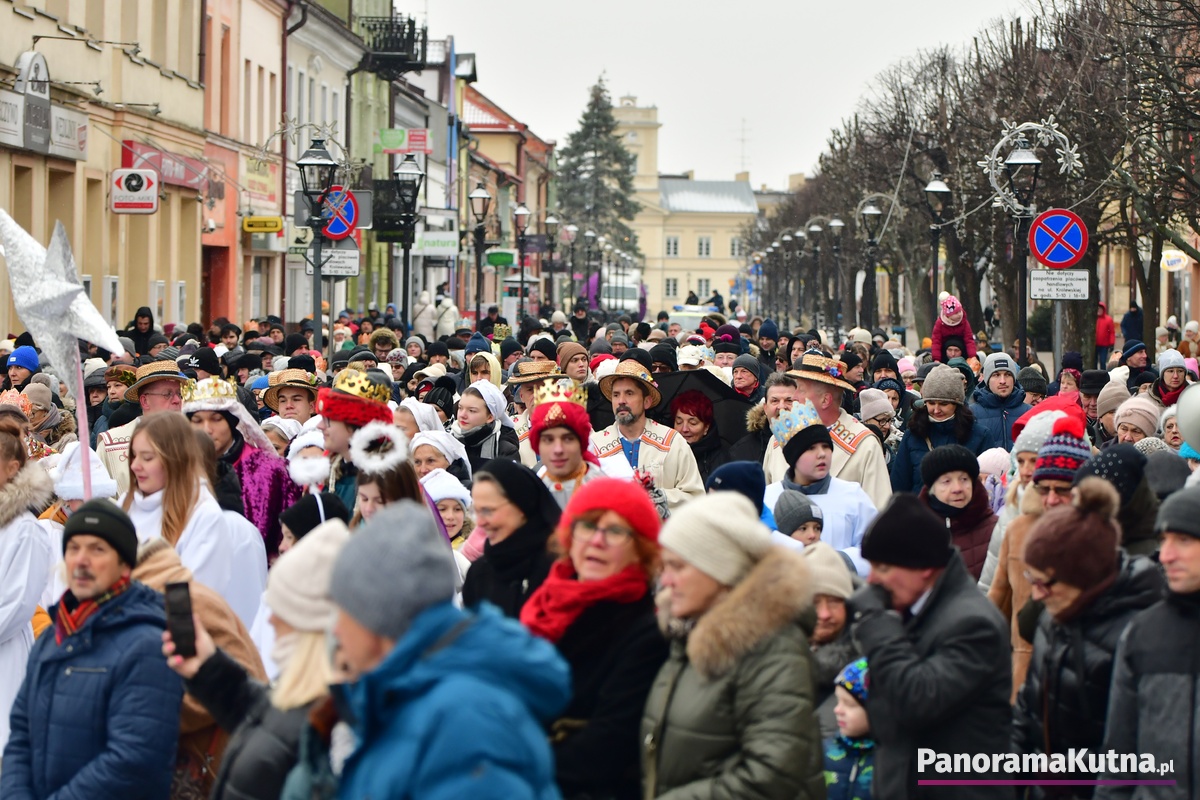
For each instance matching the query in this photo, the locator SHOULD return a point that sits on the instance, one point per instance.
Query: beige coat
(663, 454)
(1010, 591)
(112, 447)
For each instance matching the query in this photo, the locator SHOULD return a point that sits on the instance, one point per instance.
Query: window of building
(704, 246)
(735, 247)
(673, 246)
(704, 289)
(671, 287)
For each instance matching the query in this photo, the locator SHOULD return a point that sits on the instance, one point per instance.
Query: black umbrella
(729, 407)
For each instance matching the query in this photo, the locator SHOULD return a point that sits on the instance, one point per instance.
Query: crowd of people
(589, 560)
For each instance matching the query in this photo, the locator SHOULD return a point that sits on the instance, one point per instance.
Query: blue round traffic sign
(341, 211)
(1058, 238)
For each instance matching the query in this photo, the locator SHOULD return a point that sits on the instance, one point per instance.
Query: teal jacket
(458, 709)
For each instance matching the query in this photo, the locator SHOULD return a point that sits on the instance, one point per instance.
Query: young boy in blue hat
(850, 756)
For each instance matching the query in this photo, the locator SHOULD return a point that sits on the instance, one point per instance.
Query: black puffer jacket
(265, 741)
(508, 572)
(710, 453)
(1071, 669)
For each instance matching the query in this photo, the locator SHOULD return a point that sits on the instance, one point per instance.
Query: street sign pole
(318, 240)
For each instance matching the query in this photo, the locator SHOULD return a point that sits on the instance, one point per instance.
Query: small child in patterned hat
(850, 756)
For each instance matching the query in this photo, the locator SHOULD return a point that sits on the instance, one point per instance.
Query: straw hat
(530, 371)
(816, 367)
(154, 371)
(287, 379)
(630, 368)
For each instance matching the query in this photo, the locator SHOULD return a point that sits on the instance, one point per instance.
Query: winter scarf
(559, 601)
(820, 487)
(69, 621)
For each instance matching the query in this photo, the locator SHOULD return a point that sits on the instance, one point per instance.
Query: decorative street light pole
(520, 225)
(773, 309)
(409, 178)
(572, 234)
(937, 193)
(785, 287)
(480, 201)
(871, 215)
(815, 228)
(798, 240)
(586, 275)
(551, 226)
(1015, 182)
(836, 226)
(317, 172)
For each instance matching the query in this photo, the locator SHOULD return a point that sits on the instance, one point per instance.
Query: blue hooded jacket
(458, 709)
(97, 717)
(996, 415)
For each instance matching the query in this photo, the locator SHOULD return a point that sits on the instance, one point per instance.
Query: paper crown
(501, 332)
(560, 391)
(793, 420)
(210, 389)
(361, 385)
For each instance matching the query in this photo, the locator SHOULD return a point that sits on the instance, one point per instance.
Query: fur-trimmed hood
(772, 596)
(31, 490)
(756, 418)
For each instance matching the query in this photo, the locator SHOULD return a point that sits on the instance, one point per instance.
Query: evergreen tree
(595, 175)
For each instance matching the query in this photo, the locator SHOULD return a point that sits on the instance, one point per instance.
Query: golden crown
(793, 420)
(361, 385)
(210, 389)
(501, 332)
(560, 391)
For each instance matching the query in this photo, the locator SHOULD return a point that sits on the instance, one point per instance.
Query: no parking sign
(341, 209)
(1058, 238)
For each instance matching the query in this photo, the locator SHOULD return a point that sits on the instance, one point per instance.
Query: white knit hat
(1170, 358)
(441, 485)
(67, 475)
(1036, 431)
(719, 534)
(873, 403)
(829, 573)
(298, 583)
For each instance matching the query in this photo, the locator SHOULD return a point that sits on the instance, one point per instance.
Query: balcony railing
(395, 45)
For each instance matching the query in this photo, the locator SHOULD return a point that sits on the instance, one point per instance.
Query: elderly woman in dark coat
(597, 607)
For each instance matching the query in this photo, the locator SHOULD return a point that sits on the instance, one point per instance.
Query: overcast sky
(792, 69)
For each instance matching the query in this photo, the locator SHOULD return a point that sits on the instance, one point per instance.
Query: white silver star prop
(1044, 134)
(51, 302)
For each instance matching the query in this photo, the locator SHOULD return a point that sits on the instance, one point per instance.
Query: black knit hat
(1122, 465)
(907, 534)
(312, 510)
(850, 360)
(884, 360)
(805, 438)
(948, 458)
(665, 354)
(103, 519)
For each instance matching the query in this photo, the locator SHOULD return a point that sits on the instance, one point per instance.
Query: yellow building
(689, 231)
(108, 103)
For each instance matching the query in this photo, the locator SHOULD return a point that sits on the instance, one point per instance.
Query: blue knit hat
(24, 356)
(1064, 452)
(1189, 452)
(854, 678)
(768, 330)
(745, 477)
(1131, 346)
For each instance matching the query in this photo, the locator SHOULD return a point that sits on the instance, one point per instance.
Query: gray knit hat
(747, 361)
(1180, 513)
(1036, 431)
(793, 509)
(393, 568)
(944, 384)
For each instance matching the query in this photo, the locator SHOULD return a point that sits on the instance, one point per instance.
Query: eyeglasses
(168, 395)
(486, 513)
(883, 420)
(1044, 586)
(1063, 492)
(584, 531)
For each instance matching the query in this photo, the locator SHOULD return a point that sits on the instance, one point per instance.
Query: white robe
(248, 579)
(846, 512)
(205, 547)
(25, 560)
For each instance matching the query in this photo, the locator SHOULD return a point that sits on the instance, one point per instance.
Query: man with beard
(635, 444)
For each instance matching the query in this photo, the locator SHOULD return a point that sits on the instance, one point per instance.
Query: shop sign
(68, 134)
(261, 179)
(402, 140)
(33, 81)
(172, 168)
(12, 119)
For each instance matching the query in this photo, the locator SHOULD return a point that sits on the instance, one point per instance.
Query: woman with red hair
(597, 607)
(692, 416)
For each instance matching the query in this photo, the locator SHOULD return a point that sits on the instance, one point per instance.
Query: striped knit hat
(1063, 453)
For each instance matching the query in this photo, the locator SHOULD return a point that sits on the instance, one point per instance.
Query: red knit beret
(623, 497)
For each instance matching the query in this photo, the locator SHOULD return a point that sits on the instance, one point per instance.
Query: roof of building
(706, 197)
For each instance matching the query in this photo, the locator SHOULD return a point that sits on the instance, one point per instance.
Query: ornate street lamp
(551, 225)
(589, 239)
(937, 194)
(520, 225)
(409, 178)
(480, 202)
(836, 226)
(871, 216)
(572, 235)
(317, 173)
(815, 229)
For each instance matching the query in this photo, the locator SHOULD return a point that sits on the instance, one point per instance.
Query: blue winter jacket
(849, 768)
(905, 468)
(97, 717)
(458, 709)
(997, 415)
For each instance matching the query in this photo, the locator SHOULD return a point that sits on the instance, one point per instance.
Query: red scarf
(69, 622)
(1168, 397)
(560, 600)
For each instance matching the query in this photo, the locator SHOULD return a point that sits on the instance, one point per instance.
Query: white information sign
(1058, 284)
(336, 263)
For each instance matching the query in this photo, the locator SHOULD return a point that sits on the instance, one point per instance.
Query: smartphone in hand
(179, 619)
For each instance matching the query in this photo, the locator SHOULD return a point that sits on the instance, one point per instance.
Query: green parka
(731, 713)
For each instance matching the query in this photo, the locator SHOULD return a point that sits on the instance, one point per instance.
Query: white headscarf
(445, 444)
(424, 413)
(496, 404)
